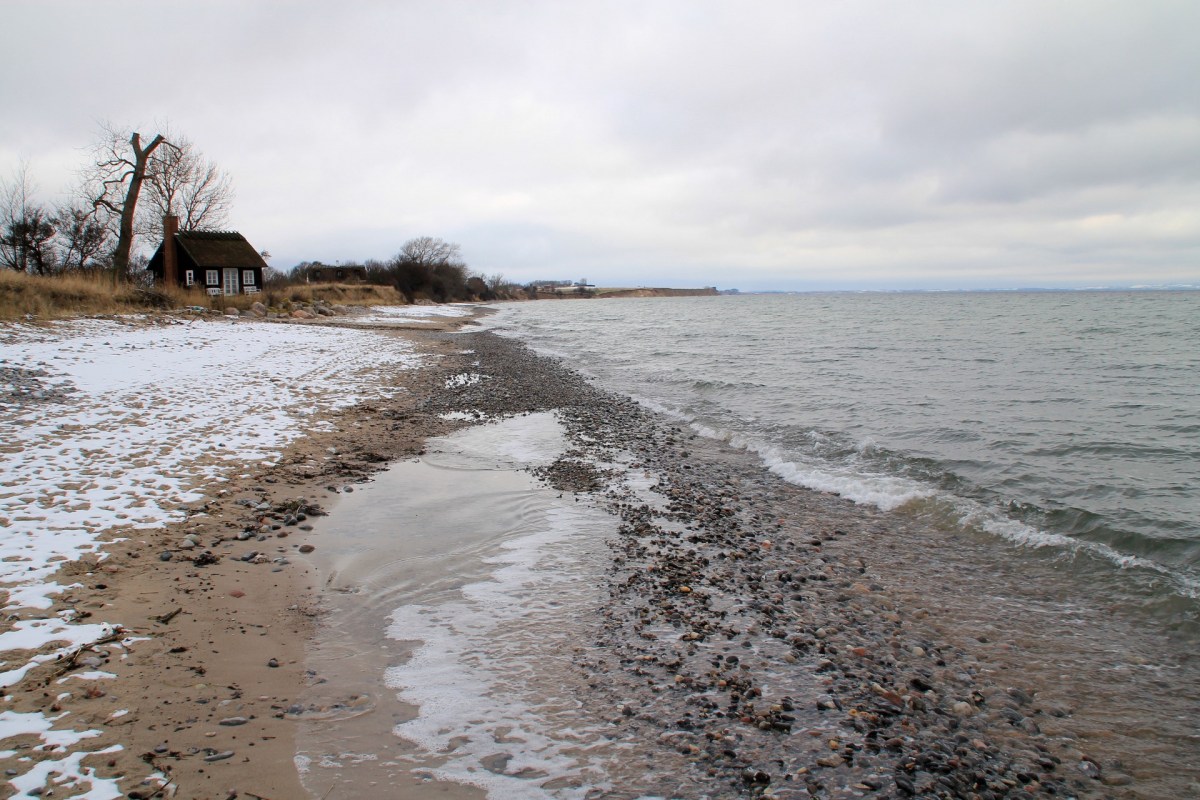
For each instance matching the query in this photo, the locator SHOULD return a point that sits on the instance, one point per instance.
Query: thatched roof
(219, 249)
(212, 250)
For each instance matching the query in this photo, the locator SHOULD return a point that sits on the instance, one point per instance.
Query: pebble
(752, 675)
(219, 756)
(233, 721)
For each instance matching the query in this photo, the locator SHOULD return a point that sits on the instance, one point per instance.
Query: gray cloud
(774, 144)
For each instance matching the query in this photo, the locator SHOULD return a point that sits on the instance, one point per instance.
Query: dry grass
(362, 294)
(61, 296)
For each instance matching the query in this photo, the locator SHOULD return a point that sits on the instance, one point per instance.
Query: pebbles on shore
(735, 644)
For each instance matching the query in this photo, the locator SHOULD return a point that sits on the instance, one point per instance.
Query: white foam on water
(891, 492)
(492, 677)
(972, 513)
(517, 442)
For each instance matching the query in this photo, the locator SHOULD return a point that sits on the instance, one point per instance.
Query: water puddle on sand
(457, 589)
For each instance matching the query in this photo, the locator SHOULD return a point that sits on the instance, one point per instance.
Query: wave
(889, 491)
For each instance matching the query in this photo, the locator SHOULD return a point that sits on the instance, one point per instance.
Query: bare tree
(429, 266)
(82, 239)
(26, 228)
(181, 181)
(429, 251)
(116, 177)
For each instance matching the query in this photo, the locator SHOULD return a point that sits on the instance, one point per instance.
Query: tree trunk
(129, 207)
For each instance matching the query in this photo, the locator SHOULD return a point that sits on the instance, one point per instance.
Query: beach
(148, 651)
(682, 622)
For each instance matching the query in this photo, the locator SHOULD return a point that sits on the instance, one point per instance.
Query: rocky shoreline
(748, 639)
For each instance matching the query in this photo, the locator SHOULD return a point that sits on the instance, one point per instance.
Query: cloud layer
(764, 145)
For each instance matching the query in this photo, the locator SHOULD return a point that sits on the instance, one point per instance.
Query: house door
(230, 281)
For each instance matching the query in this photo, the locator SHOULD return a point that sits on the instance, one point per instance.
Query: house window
(189, 277)
(212, 277)
(247, 277)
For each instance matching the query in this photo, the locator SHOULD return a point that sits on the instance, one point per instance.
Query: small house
(219, 262)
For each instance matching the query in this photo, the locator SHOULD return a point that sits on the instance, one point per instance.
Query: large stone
(232, 312)
(303, 313)
(258, 309)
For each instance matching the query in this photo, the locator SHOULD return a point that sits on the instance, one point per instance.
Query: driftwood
(165, 618)
(68, 665)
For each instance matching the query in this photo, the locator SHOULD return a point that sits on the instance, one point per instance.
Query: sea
(1066, 424)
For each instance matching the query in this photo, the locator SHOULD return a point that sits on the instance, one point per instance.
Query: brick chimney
(170, 259)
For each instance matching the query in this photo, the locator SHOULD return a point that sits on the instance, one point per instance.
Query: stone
(258, 309)
(219, 756)
(232, 312)
(230, 722)
(306, 548)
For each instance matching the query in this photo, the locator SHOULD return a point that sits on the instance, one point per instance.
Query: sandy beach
(720, 634)
(165, 657)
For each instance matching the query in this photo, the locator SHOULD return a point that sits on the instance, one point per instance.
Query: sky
(754, 145)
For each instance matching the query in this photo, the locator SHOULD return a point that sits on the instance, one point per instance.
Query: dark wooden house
(219, 262)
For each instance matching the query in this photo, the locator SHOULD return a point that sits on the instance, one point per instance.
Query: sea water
(1066, 423)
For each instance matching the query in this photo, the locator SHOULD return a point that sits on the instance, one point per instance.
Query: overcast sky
(787, 145)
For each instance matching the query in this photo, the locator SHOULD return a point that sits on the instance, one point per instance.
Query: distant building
(219, 262)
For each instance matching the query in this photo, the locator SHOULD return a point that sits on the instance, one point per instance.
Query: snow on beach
(157, 413)
(120, 424)
(391, 315)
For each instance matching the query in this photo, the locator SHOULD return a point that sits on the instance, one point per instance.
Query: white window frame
(212, 277)
(247, 277)
(189, 277)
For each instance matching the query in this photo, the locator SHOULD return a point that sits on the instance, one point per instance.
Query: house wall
(208, 279)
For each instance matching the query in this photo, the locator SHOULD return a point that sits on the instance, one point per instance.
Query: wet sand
(741, 636)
